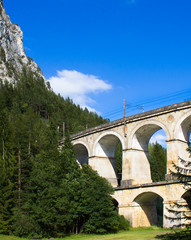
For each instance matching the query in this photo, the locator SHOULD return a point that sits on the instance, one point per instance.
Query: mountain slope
(12, 54)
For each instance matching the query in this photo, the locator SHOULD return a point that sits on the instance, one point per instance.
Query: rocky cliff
(12, 54)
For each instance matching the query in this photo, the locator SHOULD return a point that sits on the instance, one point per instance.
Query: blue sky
(100, 52)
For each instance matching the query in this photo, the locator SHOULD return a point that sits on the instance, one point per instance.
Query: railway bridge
(136, 194)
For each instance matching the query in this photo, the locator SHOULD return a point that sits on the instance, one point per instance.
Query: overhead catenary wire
(179, 96)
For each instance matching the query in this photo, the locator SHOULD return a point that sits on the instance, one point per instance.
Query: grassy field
(133, 234)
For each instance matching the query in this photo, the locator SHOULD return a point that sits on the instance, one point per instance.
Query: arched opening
(183, 136)
(105, 158)
(182, 210)
(140, 152)
(187, 197)
(116, 204)
(149, 210)
(82, 155)
(184, 129)
(157, 153)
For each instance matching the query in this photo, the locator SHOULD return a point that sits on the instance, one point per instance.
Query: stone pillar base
(169, 177)
(127, 183)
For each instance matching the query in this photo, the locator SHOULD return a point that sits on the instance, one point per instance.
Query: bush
(123, 223)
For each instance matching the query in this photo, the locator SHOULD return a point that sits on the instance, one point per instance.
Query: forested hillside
(31, 92)
(44, 192)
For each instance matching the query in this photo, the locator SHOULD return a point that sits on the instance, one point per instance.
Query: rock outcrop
(12, 53)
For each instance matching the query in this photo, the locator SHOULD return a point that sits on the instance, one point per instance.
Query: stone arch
(141, 134)
(147, 211)
(115, 203)
(186, 206)
(107, 134)
(146, 197)
(183, 127)
(187, 197)
(138, 149)
(181, 137)
(82, 152)
(104, 155)
(187, 201)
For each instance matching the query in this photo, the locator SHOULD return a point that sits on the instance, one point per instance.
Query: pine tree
(157, 159)
(8, 169)
(118, 158)
(98, 211)
(7, 192)
(181, 210)
(50, 203)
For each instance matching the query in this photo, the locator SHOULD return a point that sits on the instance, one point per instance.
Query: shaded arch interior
(150, 208)
(185, 129)
(82, 155)
(187, 197)
(105, 161)
(142, 136)
(106, 146)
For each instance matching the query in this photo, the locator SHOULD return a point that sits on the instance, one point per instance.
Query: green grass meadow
(133, 234)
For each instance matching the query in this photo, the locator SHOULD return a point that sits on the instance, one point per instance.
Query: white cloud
(159, 138)
(78, 86)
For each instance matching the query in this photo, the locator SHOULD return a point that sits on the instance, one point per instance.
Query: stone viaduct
(136, 194)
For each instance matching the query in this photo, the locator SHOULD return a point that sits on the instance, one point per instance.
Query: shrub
(123, 223)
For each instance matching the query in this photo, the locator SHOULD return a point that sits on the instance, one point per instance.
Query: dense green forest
(43, 191)
(31, 91)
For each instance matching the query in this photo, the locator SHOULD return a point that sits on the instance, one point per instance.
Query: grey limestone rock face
(12, 53)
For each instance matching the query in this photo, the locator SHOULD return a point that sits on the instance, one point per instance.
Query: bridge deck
(146, 185)
(133, 118)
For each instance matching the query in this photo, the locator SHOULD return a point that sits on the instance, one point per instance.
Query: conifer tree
(157, 159)
(8, 169)
(50, 196)
(118, 159)
(7, 192)
(99, 214)
(181, 210)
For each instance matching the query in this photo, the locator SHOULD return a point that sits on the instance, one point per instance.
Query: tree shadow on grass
(183, 235)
